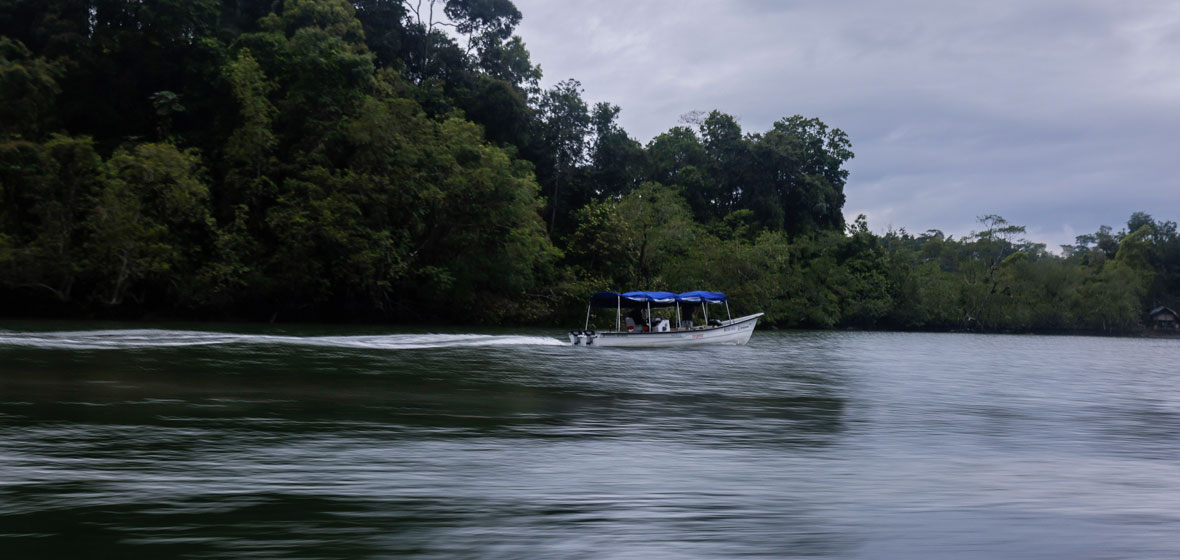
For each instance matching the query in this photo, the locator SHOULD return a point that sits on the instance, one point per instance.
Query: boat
(640, 329)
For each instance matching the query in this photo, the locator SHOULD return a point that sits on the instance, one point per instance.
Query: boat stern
(583, 338)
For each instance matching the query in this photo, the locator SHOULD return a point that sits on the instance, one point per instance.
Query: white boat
(645, 330)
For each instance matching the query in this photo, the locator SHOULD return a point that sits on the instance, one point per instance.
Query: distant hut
(1164, 318)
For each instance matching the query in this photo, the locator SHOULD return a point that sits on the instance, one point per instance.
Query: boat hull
(737, 331)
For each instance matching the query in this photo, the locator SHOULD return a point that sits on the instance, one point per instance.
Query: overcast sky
(1059, 115)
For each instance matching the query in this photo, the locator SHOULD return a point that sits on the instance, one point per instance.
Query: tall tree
(50, 190)
(28, 90)
(150, 220)
(249, 151)
(662, 229)
(564, 122)
(728, 154)
(677, 158)
(800, 183)
(616, 159)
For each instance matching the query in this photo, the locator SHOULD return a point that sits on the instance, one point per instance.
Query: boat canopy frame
(641, 299)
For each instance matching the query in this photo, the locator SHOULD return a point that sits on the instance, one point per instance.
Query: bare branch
(696, 116)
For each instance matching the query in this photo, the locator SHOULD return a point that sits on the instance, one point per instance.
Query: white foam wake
(155, 338)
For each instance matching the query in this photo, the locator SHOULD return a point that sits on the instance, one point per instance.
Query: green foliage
(350, 159)
(509, 61)
(862, 285)
(755, 275)
(800, 178)
(55, 184)
(150, 221)
(677, 158)
(334, 18)
(28, 89)
(564, 122)
(252, 144)
(790, 178)
(602, 248)
(616, 159)
(485, 232)
(660, 229)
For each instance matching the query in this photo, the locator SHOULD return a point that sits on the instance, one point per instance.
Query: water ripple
(177, 443)
(124, 339)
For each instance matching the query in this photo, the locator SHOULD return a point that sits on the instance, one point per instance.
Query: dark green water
(346, 443)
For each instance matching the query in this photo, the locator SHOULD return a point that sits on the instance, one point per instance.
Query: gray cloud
(1058, 115)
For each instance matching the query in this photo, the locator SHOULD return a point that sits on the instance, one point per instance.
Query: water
(357, 443)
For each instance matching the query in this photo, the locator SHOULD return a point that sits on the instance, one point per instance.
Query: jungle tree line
(382, 158)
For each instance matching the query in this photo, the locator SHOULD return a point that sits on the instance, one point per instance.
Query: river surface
(343, 442)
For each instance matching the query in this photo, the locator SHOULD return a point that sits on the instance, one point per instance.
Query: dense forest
(399, 161)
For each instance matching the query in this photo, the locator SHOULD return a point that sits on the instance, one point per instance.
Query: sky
(1059, 115)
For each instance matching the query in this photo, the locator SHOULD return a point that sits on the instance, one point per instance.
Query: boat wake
(156, 338)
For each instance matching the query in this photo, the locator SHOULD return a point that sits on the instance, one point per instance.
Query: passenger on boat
(637, 320)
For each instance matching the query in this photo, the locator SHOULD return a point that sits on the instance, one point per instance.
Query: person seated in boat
(635, 320)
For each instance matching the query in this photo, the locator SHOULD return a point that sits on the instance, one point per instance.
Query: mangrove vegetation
(399, 160)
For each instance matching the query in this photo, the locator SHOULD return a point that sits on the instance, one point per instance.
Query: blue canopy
(655, 299)
(633, 299)
(697, 297)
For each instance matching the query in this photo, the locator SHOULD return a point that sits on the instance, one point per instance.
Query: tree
(677, 158)
(800, 176)
(484, 235)
(616, 159)
(487, 25)
(483, 18)
(124, 54)
(1110, 300)
(754, 274)
(509, 61)
(863, 289)
(990, 249)
(150, 220)
(383, 24)
(249, 151)
(49, 208)
(661, 229)
(166, 104)
(335, 18)
(28, 90)
(603, 246)
(729, 162)
(564, 122)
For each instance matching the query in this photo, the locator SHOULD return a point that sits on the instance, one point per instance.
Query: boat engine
(576, 337)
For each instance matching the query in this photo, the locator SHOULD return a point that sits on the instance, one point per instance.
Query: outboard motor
(590, 336)
(576, 337)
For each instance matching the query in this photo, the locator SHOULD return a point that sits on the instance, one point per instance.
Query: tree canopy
(380, 159)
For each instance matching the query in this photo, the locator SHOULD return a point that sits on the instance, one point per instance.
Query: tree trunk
(116, 294)
(556, 189)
